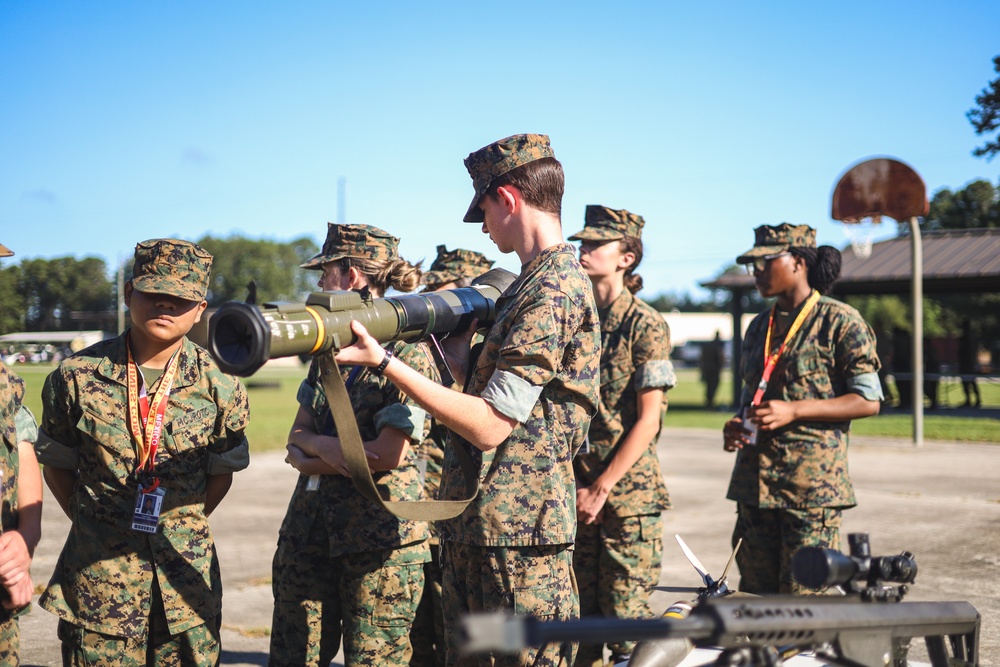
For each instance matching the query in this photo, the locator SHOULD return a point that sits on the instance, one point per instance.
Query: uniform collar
(114, 366)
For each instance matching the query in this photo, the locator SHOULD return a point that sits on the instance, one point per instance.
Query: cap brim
(760, 251)
(594, 234)
(475, 214)
(317, 262)
(5, 251)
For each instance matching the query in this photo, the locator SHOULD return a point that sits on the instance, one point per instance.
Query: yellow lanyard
(771, 360)
(147, 431)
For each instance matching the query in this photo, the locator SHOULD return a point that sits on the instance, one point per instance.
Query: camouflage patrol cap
(452, 265)
(497, 159)
(774, 239)
(607, 224)
(361, 241)
(5, 251)
(169, 266)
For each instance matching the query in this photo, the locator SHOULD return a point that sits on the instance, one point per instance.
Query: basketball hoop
(861, 233)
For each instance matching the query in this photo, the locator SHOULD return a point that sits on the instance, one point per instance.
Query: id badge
(749, 426)
(146, 515)
(313, 483)
(585, 447)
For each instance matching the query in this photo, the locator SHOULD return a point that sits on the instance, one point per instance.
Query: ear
(626, 259)
(354, 278)
(200, 308)
(128, 294)
(509, 197)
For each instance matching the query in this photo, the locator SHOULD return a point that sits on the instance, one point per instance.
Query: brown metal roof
(966, 260)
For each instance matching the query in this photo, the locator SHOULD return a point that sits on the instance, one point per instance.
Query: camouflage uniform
(16, 425)
(345, 567)
(618, 561)
(427, 634)
(791, 486)
(123, 596)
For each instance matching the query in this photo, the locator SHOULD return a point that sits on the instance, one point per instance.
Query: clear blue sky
(121, 121)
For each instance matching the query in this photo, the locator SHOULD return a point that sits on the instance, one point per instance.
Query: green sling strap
(357, 462)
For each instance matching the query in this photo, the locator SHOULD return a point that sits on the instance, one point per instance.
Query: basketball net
(861, 234)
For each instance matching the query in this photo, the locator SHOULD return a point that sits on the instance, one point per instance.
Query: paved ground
(941, 502)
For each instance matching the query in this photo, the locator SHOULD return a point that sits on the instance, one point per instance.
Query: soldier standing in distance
(451, 269)
(140, 437)
(21, 509)
(809, 368)
(711, 361)
(346, 568)
(620, 490)
(528, 402)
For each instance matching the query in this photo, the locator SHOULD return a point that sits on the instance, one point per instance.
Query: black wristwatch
(378, 370)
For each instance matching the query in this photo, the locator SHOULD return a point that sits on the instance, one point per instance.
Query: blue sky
(121, 121)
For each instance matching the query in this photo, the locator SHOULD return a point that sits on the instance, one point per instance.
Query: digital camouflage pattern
(497, 159)
(453, 265)
(635, 355)
(803, 464)
(11, 396)
(197, 647)
(334, 533)
(364, 241)
(547, 334)
(169, 266)
(607, 224)
(533, 581)
(773, 239)
(771, 538)
(427, 632)
(617, 563)
(105, 574)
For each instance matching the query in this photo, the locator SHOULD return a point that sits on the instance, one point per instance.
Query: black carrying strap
(357, 463)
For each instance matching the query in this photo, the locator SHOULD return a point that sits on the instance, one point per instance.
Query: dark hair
(540, 182)
(822, 265)
(633, 281)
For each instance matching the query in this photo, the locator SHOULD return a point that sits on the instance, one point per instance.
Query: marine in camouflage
(618, 560)
(773, 239)
(802, 466)
(169, 266)
(500, 157)
(608, 224)
(539, 365)
(357, 549)
(354, 241)
(453, 265)
(533, 581)
(16, 426)
(104, 579)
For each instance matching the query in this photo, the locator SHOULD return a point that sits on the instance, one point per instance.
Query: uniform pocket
(398, 594)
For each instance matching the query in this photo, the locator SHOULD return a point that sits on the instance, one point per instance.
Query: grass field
(273, 406)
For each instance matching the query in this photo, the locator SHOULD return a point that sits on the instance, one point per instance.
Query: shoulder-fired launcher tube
(241, 337)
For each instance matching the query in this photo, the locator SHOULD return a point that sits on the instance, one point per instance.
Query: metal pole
(737, 310)
(121, 295)
(917, 253)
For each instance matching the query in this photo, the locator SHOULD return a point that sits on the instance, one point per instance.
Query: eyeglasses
(760, 263)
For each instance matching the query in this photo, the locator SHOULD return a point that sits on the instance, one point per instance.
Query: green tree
(986, 117)
(272, 266)
(977, 205)
(53, 289)
(11, 301)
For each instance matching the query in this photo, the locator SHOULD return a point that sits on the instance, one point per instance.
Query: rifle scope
(819, 568)
(241, 337)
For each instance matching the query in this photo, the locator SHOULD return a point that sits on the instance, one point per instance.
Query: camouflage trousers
(10, 642)
(368, 598)
(427, 634)
(197, 647)
(617, 564)
(534, 580)
(770, 539)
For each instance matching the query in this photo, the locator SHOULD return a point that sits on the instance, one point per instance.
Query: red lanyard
(147, 435)
(771, 360)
